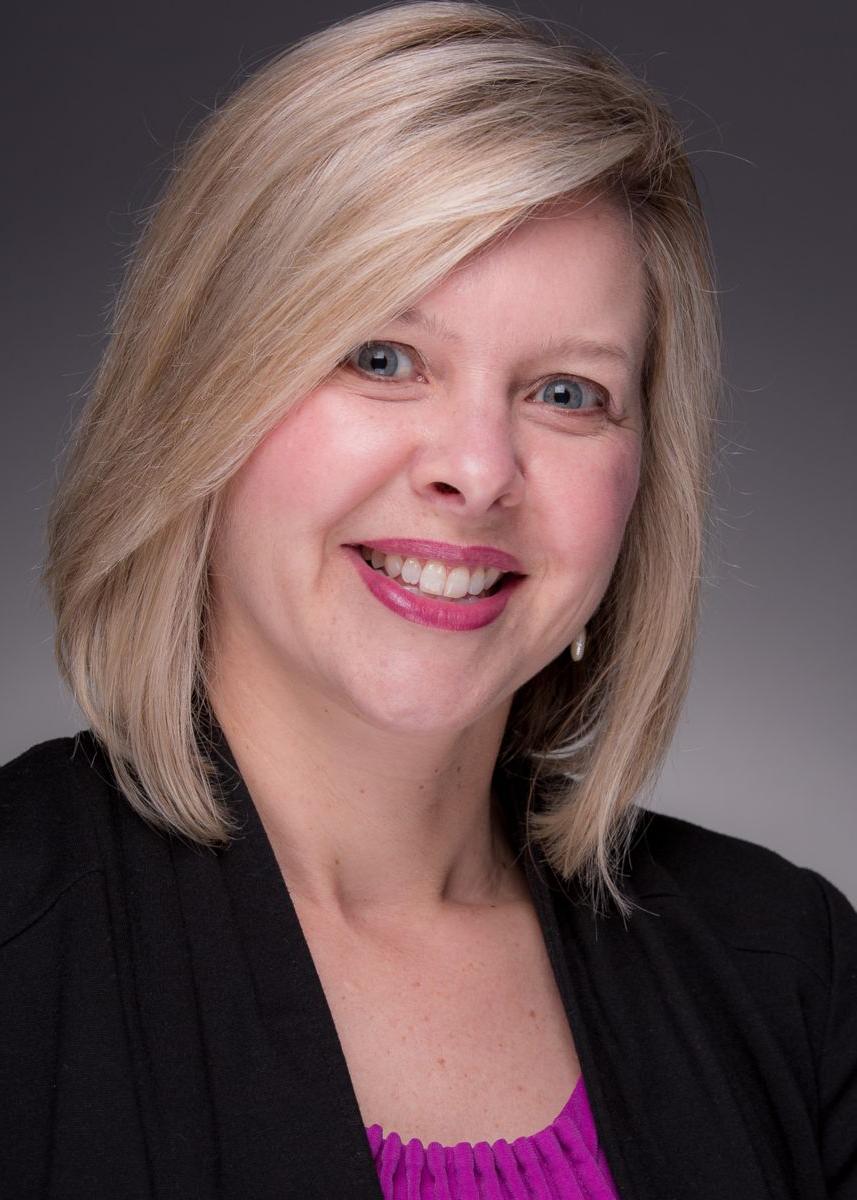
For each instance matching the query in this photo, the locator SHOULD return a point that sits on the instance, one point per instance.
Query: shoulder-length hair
(335, 186)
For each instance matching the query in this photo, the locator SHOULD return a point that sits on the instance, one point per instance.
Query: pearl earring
(578, 646)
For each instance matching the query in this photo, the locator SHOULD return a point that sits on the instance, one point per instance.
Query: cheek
(590, 503)
(622, 483)
(309, 473)
(294, 469)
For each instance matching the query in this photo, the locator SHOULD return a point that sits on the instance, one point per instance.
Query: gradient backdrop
(97, 94)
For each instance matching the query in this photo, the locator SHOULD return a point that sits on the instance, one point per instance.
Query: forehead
(572, 274)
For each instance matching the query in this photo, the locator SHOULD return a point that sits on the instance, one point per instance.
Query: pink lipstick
(439, 613)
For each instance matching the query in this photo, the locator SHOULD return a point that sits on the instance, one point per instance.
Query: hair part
(258, 272)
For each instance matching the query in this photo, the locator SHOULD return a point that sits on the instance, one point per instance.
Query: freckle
(441, 1062)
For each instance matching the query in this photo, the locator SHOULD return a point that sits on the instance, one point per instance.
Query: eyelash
(605, 407)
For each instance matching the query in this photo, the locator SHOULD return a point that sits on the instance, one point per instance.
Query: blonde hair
(336, 186)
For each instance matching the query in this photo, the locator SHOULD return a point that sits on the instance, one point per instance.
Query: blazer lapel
(289, 1124)
(669, 1044)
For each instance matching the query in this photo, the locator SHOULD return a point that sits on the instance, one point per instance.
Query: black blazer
(163, 1031)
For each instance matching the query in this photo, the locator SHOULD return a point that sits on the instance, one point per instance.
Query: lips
(438, 613)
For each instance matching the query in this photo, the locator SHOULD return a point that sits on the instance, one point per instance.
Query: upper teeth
(433, 576)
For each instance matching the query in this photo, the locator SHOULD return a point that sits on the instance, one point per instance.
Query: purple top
(560, 1162)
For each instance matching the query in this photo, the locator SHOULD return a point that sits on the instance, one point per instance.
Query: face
(504, 413)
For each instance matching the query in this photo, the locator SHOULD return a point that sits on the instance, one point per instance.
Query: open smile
(415, 590)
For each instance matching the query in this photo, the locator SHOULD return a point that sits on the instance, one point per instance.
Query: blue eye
(390, 361)
(381, 359)
(570, 393)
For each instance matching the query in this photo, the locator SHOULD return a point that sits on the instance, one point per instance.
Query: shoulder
(791, 937)
(50, 796)
(750, 896)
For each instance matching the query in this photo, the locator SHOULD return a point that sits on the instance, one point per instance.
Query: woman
(375, 567)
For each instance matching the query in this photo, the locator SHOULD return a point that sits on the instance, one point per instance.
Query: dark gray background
(96, 95)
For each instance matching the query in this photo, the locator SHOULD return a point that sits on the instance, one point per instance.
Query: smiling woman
(495, 431)
(375, 564)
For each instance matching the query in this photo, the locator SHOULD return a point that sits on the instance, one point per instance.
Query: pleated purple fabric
(561, 1162)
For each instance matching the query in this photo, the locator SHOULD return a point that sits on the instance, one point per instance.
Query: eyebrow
(570, 344)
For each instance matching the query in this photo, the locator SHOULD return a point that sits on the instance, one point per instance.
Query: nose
(468, 461)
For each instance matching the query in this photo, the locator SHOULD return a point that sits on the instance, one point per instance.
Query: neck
(369, 824)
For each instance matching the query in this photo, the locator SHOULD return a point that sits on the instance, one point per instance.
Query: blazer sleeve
(837, 1068)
